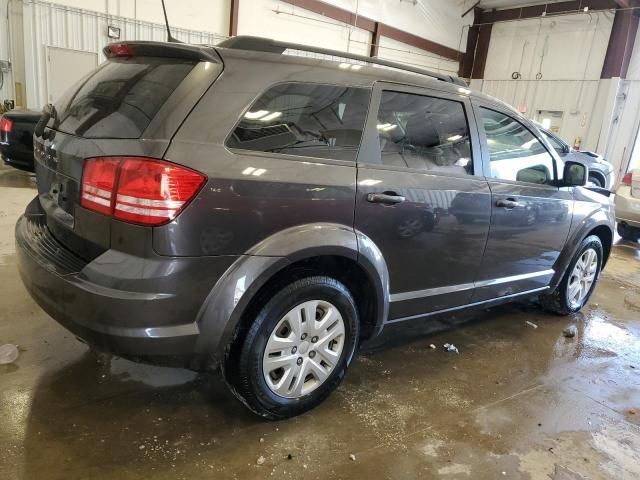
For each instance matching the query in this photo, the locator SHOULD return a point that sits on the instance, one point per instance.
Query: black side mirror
(575, 174)
(566, 149)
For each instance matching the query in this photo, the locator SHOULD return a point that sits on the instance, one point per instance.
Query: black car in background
(16, 138)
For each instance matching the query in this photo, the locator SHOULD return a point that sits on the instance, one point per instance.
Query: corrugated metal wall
(51, 25)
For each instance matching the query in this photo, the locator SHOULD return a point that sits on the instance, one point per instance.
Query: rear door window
(120, 98)
(310, 120)
(424, 133)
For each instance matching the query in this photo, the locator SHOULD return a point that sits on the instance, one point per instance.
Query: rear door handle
(385, 198)
(507, 203)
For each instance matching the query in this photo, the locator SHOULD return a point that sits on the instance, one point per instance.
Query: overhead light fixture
(113, 32)
(270, 117)
(454, 138)
(256, 115)
(368, 182)
(256, 172)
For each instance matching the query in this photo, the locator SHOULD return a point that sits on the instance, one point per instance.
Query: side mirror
(566, 149)
(575, 174)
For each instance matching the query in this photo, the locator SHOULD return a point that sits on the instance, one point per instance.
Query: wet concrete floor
(518, 402)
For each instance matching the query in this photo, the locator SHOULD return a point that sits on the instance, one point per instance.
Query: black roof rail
(269, 45)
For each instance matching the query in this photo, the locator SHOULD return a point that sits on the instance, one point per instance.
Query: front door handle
(387, 198)
(507, 203)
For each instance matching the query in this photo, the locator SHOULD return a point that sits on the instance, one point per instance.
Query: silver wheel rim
(303, 349)
(582, 278)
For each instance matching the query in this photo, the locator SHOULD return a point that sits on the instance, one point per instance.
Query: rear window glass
(322, 121)
(120, 98)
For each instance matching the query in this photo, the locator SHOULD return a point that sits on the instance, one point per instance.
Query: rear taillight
(138, 190)
(626, 180)
(6, 125)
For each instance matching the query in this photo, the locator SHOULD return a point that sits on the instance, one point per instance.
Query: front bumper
(139, 308)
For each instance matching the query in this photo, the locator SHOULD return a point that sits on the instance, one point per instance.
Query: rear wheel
(628, 233)
(297, 350)
(579, 281)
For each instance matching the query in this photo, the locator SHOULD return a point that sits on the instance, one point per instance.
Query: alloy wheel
(582, 278)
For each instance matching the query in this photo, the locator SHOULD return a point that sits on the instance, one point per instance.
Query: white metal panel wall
(53, 25)
(576, 98)
(559, 60)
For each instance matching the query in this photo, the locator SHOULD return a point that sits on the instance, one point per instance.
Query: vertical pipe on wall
(233, 17)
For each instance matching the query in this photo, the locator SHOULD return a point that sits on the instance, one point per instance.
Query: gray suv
(268, 213)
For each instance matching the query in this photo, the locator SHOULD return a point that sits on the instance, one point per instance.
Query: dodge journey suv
(249, 208)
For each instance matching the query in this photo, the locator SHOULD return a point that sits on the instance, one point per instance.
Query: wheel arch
(596, 225)
(324, 249)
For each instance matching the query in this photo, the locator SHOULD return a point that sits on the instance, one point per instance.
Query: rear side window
(120, 98)
(424, 133)
(310, 120)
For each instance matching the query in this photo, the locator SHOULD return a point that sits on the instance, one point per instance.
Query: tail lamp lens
(6, 125)
(626, 180)
(138, 190)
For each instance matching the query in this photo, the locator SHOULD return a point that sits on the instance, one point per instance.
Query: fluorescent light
(248, 170)
(271, 116)
(356, 67)
(464, 91)
(367, 182)
(258, 172)
(256, 115)
(344, 66)
(382, 126)
(454, 138)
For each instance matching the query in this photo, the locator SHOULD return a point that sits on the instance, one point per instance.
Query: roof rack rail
(269, 45)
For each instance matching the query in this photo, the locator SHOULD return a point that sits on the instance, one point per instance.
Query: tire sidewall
(251, 358)
(594, 243)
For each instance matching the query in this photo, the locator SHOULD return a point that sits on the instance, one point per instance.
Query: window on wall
(515, 153)
(425, 133)
(309, 120)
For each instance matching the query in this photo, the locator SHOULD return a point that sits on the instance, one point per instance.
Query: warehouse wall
(559, 60)
(81, 25)
(48, 25)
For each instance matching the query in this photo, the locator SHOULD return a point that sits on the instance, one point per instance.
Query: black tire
(243, 368)
(631, 234)
(596, 181)
(557, 301)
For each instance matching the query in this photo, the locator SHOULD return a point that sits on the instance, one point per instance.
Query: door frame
(370, 145)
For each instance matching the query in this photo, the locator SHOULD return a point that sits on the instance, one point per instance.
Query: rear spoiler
(161, 49)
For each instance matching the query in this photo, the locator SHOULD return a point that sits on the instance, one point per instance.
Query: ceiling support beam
(375, 40)
(475, 59)
(621, 41)
(536, 11)
(233, 18)
(384, 30)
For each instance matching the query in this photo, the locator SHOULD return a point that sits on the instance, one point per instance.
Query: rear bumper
(627, 207)
(21, 163)
(110, 303)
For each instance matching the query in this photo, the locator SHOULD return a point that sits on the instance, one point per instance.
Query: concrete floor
(517, 402)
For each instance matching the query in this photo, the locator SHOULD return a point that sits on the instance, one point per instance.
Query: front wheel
(297, 350)
(630, 234)
(579, 281)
